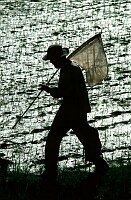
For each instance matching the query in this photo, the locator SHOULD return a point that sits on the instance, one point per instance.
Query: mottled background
(27, 28)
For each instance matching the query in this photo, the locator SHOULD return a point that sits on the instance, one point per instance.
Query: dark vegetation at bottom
(71, 185)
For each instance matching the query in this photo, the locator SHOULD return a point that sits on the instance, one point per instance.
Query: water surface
(27, 28)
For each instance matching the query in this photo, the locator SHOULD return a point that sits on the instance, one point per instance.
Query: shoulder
(73, 66)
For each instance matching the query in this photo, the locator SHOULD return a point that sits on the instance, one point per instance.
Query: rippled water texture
(27, 28)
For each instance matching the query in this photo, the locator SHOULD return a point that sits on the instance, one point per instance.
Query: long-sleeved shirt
(72, 88)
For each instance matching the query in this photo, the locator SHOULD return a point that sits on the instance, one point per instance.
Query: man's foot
(49, 186)
(101, 166)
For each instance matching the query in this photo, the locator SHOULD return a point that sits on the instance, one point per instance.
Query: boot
(49, 186)
(101, 166)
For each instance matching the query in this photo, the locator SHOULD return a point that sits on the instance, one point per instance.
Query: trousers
(66, 119)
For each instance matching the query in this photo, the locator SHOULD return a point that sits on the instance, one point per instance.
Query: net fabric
(91, 57)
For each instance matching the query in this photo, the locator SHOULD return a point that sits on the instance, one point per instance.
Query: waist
(73, 105)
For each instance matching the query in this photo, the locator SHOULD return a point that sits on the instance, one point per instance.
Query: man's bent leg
(89, 137)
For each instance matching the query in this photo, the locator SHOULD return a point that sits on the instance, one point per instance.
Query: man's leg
(59, 128)
(89, 137)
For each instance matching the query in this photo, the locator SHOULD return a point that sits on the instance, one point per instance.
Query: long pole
(18, 120)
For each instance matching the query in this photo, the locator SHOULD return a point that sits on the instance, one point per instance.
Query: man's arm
(54, 92)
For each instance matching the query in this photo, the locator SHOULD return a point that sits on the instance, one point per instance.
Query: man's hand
(44, 88)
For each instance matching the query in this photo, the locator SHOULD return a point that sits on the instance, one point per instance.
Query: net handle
(20, 117)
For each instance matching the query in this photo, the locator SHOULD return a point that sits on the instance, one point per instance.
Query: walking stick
(20, 117)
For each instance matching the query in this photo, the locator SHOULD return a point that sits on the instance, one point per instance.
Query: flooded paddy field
(27, 28)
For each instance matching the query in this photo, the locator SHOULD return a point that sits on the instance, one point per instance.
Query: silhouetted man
(72, 113)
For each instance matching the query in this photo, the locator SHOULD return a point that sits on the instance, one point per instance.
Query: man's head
(56, 54)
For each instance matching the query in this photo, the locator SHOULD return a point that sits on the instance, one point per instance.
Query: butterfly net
(91, 57)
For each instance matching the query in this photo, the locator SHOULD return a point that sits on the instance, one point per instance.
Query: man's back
(73, 88)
